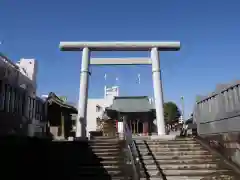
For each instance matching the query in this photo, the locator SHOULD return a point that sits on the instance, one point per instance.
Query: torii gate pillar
(81, 123)
(86, 47)
(158, 91)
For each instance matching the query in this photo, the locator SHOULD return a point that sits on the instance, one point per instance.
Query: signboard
(113, 91)
(63, 98)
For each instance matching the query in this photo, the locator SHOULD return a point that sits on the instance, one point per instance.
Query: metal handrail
(131, 151)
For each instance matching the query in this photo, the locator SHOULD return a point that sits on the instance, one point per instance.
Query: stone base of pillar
(121, 136)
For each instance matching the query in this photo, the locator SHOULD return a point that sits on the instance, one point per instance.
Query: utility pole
(182, 103)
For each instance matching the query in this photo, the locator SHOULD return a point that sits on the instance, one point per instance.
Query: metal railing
(132, 154)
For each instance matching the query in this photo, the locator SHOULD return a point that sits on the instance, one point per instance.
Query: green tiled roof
(131, 104)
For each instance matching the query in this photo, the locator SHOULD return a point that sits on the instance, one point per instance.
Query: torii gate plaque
(86, 47)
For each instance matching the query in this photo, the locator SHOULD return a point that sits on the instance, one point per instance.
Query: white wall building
(96, 107)
(28, 68)
(22, 74)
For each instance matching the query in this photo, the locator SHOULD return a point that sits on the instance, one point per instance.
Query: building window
(23, 104)
(20, 102)
(36, 110)
(16, 101)
(33, 108)
(1, 95)
(39, 110)
(30, 107)
(98, 108)
(7, 98)
(11, 101)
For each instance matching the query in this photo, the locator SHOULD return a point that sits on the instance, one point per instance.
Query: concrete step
(106, 162)
(203, 177)
(164, 139)
(169, 146)
(187, 172)
(105, 147)
(166, 142)
(182, 157)
(163, 149)
(99, 172)
(106, 150)
(182, 166)
(179, 153)
(173, 178)
(103, 177)
(100, 168)
(103, 140)
(147, 138)
(105, 137)
(184, 138)
(107, 153)
(180, 161)
(222, 176)
(103, 143)
(111, 158)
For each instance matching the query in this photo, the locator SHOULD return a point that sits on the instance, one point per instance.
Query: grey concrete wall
(218, 119)
(219, 112)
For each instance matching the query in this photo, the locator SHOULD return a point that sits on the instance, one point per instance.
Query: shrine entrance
(87, 47)
(138, 112)
(137, 126)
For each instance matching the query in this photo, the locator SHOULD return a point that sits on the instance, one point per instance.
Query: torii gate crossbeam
(86, 47)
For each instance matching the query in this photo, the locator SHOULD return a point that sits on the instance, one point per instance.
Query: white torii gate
(87, 47)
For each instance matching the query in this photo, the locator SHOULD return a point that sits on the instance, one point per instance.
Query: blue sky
(208, 31)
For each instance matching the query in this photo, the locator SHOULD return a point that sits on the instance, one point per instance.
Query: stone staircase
(27, 158)
(109, 151)
(180, 159)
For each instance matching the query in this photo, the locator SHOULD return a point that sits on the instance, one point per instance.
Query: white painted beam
(119, 46)
(120, 61)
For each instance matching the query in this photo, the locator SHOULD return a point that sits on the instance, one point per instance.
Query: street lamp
(182, 103)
